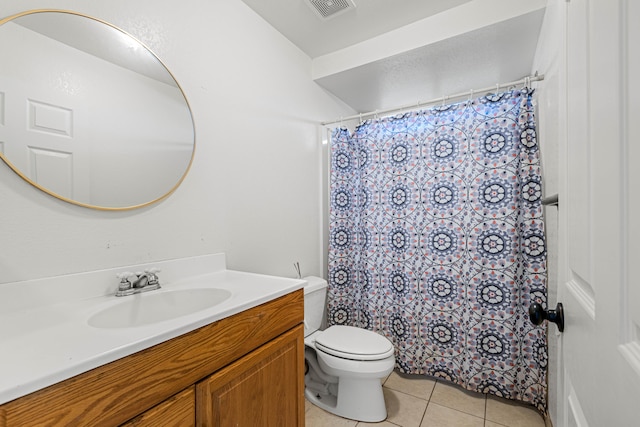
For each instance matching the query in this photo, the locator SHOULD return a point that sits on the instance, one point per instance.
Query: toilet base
(357, 399)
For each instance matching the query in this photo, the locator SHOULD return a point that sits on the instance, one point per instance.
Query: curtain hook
(470, 95)
(375, 115)
(497, 88)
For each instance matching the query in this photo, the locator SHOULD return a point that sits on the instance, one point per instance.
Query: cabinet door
(176, 411)
(264, 388)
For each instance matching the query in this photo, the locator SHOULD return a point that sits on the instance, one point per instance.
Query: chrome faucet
(134, 283)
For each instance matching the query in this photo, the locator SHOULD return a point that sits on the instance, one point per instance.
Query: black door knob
(537, 314)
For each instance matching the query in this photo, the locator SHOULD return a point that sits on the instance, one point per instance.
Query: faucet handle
(152, 275)
(125, 283)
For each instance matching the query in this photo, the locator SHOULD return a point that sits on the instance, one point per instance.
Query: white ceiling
(483, 57)
(389, 53)
(297, 22)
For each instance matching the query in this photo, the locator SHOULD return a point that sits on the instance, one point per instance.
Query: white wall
(254, 189)
(549, 60)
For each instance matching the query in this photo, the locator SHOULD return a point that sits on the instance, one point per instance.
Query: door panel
(577, 294)
(578, 166)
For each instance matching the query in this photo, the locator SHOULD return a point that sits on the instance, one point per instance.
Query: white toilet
(345, 365)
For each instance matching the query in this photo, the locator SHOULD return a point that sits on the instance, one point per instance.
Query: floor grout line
(406, 394)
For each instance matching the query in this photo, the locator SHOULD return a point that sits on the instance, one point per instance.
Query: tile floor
(416, 401)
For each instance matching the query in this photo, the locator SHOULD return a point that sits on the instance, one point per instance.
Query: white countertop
(44, 344)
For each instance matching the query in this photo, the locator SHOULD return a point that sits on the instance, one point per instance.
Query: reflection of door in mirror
(90, 115)
(44, 141)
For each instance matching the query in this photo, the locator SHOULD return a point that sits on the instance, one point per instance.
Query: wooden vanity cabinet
(244, 370)
(177, 411)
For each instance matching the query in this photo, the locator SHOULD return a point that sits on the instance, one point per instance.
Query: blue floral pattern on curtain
(437, 241)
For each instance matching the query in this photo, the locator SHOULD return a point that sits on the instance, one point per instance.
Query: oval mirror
(88, 114)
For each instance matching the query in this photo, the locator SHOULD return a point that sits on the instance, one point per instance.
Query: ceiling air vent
(326, 9)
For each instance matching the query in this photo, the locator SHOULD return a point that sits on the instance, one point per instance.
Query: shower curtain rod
(526, 80)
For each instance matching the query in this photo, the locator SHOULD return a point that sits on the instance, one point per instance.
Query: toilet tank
(315, 302)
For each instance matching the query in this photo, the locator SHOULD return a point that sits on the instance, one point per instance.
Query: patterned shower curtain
(437, 242)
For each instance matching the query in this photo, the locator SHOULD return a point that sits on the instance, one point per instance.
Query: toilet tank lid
(314, 283)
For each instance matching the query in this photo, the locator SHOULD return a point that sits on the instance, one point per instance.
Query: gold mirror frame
(155, 198)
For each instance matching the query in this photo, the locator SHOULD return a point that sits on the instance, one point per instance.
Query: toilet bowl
(345, 365)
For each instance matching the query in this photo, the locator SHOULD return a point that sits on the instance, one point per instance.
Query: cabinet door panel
(264, 388)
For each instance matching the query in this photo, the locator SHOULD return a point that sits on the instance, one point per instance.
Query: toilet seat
(352, 343)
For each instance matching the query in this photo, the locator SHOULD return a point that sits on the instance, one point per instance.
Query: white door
(599, 214)
(43, 130)
(40, 138)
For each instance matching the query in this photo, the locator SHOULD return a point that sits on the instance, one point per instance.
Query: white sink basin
(147, 308)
